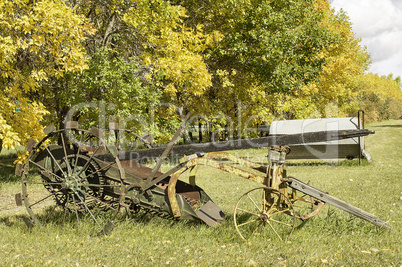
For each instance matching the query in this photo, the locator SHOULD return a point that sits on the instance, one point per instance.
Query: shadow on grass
(7, 171)
(57, 217)
(60, 221)
(302, 224)
(314, 163)
(331, 223)
(387, 126)
(340, 163)
(8, 154)
(13, 220)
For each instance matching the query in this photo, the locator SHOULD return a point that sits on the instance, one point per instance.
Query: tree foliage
(118, 83)
(269, 53)
(139, 52)
(345, 63)
(39, 41)
(240, 62)
(171, 50)
(380, 97)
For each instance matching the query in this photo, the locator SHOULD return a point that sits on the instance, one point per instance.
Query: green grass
(332, 238)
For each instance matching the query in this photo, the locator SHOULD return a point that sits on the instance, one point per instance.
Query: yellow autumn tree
(39, 40)
(172, 53)
(380, 97)
(170, 49)
(346, 63)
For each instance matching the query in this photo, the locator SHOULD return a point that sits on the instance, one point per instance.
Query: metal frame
(164, 194)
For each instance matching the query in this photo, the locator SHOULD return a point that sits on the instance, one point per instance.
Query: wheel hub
(264, 217)
(74, 184)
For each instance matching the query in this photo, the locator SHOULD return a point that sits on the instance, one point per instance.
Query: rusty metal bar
(167, 150)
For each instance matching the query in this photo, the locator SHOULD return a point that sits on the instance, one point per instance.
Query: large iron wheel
(266, 212)
(63, 180)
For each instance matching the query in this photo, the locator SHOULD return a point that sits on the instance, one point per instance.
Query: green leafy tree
(171, 50)
(265, 54)
(119, 83)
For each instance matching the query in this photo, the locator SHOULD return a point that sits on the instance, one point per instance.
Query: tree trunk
(199, 132)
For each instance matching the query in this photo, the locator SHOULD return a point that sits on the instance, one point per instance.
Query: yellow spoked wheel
(305, 205)
(266, 212)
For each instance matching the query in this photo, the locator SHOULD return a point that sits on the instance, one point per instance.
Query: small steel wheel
(305, 206)
(265, 212)
(67, 178)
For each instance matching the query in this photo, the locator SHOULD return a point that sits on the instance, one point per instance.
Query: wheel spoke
(55, 161)
(255, 204)
(249, 212)
(243, 224)
(76, 212)
(86, 207)
(279, 212)
(50, 213)
(275, 231)
(65, 210)
(101, 169)
(255, 230)
(270, 209)
(90, 159)
(44, 183)
(65, 154)
(263, 200)
(76, 156)
(39, 201)
(272, 220)
(44, 169)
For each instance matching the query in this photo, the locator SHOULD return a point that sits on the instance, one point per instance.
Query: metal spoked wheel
(305, 205)
(64, 181)
(266, 212)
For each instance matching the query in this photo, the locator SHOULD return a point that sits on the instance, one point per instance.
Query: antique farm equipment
(85, 172)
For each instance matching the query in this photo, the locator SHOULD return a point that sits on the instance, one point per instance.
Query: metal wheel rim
(71, 194)
(263, 218)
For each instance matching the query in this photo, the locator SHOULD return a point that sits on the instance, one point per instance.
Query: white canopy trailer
(345, 148)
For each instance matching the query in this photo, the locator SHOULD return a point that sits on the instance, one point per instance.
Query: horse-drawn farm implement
(85, 172)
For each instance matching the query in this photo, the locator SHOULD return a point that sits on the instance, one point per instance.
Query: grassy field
(332, 238)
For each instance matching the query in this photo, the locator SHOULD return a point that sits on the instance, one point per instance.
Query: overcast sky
(379, 24)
